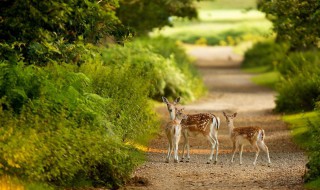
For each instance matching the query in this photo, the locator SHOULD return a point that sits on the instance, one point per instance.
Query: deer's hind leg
(264, 147)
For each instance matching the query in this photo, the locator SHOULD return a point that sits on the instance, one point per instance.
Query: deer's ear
(224, 113)
(165, 100)
(177, 100)
(235, 114)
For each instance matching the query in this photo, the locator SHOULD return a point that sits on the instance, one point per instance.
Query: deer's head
(171, 106)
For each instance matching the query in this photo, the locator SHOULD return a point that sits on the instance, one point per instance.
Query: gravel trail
(230, 90)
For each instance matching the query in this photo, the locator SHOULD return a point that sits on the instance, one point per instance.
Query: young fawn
(173, 132)
(202, 123)
(243, 135)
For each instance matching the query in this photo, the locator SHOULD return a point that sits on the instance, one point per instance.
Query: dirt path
(230, 90)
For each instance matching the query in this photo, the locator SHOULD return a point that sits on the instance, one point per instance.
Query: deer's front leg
(234, 148)
(176, 143)
(170, 147)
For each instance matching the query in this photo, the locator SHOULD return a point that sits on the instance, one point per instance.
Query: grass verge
(299, 126)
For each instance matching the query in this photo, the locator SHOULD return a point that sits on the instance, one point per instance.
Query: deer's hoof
(215, 162)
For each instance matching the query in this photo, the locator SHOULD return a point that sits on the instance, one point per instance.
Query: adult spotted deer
(206, 124)
(244, 135)
(173, 132)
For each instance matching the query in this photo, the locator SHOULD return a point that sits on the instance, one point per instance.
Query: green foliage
(268, 79)
(295, 21)
(192, 87)
(266, 53)
(65, 130)
(42, 27)
(306, 132)
(299, 89)
(163, 65)
(155, 14)
(48, 19)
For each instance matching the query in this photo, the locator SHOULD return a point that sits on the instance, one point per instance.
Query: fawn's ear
(224, 113)
(235, 114)
(165, 100)
(177, 100)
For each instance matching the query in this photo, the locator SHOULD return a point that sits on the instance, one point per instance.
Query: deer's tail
(216, 122)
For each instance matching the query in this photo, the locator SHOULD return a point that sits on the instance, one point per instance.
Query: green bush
(297, 62)
(171, 49)
(299, 89)
(265, 53)
(163, 65)
(313, 165)
(66, 130)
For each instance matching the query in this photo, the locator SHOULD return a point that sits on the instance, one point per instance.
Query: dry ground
(230, 90)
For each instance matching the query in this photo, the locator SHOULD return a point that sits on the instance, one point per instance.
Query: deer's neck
(172, 115)
(177, 121)
(230, 126)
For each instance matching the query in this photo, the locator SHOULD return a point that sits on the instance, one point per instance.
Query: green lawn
(227, 4)
(221, 22)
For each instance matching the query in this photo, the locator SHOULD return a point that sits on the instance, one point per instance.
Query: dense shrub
(164, 65)
(299, 89)
(57, 127)
(313, 165)
(171, 49)
(265, 53)
(296, 62)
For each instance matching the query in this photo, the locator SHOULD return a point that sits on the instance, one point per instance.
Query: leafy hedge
(299, 89)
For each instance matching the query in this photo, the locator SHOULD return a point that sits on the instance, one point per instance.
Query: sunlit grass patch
(227, 4)
(219, 26)
(268, 79)
(299, 126)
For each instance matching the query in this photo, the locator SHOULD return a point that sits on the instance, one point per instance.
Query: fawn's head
(171, 106)
(229, 118)
(180, 115)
